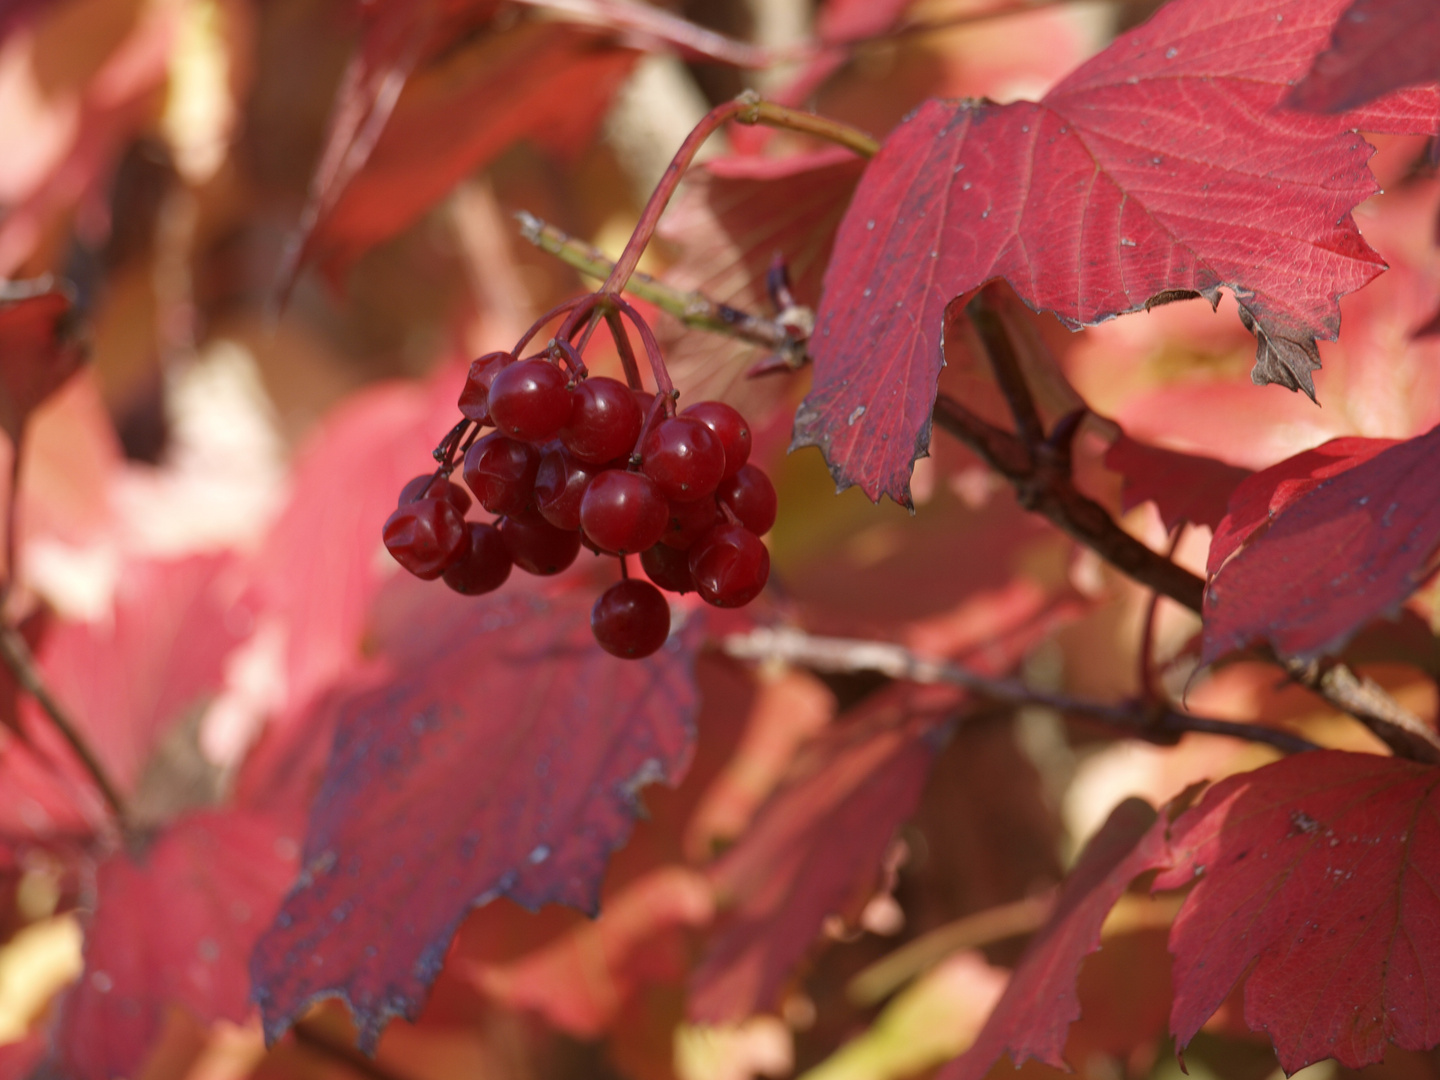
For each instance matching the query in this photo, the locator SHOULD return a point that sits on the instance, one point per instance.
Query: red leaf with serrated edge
(1342, 554)
(1033, 1016)
(39, 344)
(1378, 46)
(1260, 497)
(1158, 170)
(859, 781)
(173, 925)
(503, 758)
(385, 166)
(1317, 885)
(1183, 487)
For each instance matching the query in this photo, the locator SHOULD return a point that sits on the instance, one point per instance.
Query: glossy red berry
(475, 397)
(484, 563)
(688, 521)
(433, 486)
(604, 421)
(730, 566)
(623, 512)
(751, 498)
(559, 486)
(425, 536)
(668, 567)
(536, 546)
(501, 472)
(684, 458)
(529, 400)
(631, 619)
(729, 427)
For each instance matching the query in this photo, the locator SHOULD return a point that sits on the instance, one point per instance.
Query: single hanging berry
(623, 512)
(484, 563)
(631, 619)
(604, 421)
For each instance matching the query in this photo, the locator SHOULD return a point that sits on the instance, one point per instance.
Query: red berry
(475, 397)
(501, 472)
(631, 619)
(729, 427)
(559, 486)
(623, 511)
(484, 563)
(529, 400)
(416, 489)
(425, 536)
(684, 458)
(751, 498)
(604, 421)
(536, 546)
(688, 521)
(730, 566)
(668, 567)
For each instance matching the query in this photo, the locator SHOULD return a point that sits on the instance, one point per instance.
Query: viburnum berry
(623, 512)
(688, 521)
(668, 567)
(684, 458)
(425, 536)
(751, 498)
(475, 397)
(501, 472)
(604, 420)
(730, 566)
(560, 484)
(484, 562)
(530, 400)
(631, 619)
(435, 487)
(729, 427)
(536, 546)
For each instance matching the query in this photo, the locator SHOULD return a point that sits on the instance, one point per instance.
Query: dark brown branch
(1155, 723)
(16, 656)
(1041, 475)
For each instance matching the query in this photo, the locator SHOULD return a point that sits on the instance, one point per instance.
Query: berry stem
(652, 353)
(623, 347)
(748, 108)
(548, 317)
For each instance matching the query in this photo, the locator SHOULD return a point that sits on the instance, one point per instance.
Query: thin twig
(17, 657)
(847, 655)
(895, 969)
(694, 309)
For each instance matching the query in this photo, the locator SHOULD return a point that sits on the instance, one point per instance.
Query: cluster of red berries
(573, 460)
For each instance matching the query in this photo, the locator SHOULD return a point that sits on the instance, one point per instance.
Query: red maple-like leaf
(503, 758)
(1159, 170)
(1379, 46)
(1342, 554)
(860, 781)
(1319, 886)
(173, 925)
(39, 344)
(1183, 487)
(1033, 1016)
(1257, 499)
